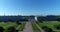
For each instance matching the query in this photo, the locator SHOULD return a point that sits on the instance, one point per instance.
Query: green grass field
(35, 28)
(50, 25)
(8, 24)
(11, 24)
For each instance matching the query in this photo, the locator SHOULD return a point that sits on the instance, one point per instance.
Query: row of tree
(48, 19)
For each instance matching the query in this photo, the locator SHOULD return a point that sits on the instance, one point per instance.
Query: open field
(6, 25)
(51, 24)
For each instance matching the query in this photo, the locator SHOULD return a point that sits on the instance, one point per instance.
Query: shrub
(36, 22)
(12, 29)
(46, 29)
(1, 29)
(18, 22)
(43, 27)
(57, 26)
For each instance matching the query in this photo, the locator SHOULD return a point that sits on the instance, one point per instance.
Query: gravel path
(28, 27)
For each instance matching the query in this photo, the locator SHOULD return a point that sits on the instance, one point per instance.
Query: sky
(29, 7)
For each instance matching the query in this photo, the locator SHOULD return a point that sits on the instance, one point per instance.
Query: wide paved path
(28, 27)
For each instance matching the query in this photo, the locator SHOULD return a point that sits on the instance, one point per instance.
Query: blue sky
(30, 7)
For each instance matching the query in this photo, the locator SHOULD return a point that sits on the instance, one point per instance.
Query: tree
(58, 19)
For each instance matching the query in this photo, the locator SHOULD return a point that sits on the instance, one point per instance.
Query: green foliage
(35, 28)
(11, 24)
(50, 25)
(7, 25)
(22, 26)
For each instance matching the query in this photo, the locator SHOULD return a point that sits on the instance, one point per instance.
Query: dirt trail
(28, 27)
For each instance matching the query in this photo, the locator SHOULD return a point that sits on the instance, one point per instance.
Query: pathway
(28, 27)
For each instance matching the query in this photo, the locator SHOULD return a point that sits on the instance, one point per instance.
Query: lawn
(35, 28)
(6, 25)
(50, 25)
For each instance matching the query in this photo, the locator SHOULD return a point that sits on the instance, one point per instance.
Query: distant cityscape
(29, 18)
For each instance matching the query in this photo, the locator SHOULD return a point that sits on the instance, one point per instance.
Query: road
(28, 27)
